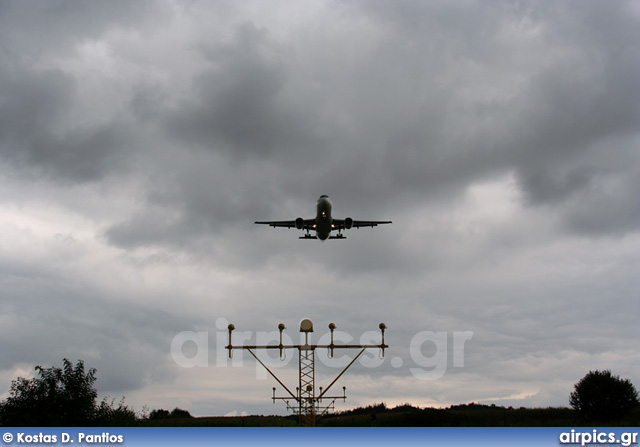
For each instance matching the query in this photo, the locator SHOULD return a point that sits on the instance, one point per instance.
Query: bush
(159, 414)
(176, 413)
(601, 396)
(109, 415)
(179, 413)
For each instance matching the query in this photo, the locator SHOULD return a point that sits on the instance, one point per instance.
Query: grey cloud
(196, 204)
(54, 321)
(411, 141)
(63, 22)
(239, 105)
(565, 110)
(579, 134)
(32, 127)
(38, 99)
(610, 206)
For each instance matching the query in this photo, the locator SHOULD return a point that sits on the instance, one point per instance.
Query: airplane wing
(339, 224)
(307, 224)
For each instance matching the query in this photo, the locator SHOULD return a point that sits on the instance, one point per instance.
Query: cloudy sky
(139, 141)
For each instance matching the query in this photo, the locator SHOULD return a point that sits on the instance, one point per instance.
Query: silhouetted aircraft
(323, 224)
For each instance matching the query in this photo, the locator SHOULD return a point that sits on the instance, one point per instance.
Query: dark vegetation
(66, 397)
(467, 415)
(61, 397)
(176, 413)
(601, 396)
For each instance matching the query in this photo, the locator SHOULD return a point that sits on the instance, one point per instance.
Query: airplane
(323, 224)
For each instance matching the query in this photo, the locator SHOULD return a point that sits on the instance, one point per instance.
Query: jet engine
(348, 223)
(299, 223)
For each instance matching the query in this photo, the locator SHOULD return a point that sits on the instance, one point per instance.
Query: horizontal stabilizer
(308, 237)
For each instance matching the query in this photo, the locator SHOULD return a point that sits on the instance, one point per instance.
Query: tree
(601, 396)
(61, 397)
(58, 396)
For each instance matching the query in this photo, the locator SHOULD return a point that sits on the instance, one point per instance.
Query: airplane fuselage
(323, 218)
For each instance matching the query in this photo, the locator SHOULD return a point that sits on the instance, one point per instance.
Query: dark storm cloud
(404, 121)
(31, 133)
(239, 105)
(576, 99)
(37, 102)
(580, 121)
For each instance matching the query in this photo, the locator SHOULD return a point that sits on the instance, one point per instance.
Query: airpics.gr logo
(598, 437)
(429, 351)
